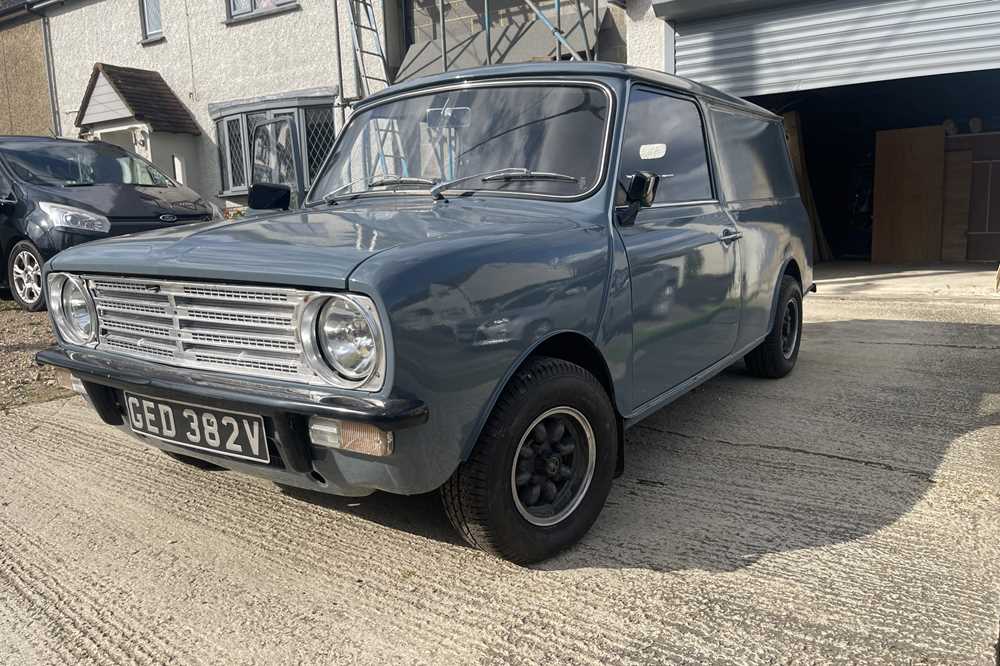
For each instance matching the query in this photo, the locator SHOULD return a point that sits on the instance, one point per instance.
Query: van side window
(664, 135)
(753, 156)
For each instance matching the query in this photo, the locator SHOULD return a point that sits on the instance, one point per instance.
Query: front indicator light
(350, 436)
(69, 381)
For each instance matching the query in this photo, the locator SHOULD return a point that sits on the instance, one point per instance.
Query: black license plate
(220, 431)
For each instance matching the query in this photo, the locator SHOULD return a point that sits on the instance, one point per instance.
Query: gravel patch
(22, 334)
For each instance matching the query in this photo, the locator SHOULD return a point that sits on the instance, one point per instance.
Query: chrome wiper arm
(506, 174)
(445, 184)
(331, 196)
(376, 181)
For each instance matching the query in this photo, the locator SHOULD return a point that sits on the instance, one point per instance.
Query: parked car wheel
(776, 355)
(194, 462)
(24, 275)
(542, 468)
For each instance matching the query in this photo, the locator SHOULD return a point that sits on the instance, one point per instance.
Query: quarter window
(152, 21)
(754, 157)
(664, 135)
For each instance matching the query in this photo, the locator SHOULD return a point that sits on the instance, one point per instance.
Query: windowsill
(262, 13)
(231, 194)
(153, 39)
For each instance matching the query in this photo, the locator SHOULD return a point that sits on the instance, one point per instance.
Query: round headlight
(72, 309)
(348, 338)
(76, 311)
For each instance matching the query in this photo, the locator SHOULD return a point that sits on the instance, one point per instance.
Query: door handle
(729, 235)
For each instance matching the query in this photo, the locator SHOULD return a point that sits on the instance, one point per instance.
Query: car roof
(10, 138)
(570, 69)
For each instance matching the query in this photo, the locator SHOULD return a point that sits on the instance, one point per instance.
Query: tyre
(194, 462)
(24, 275)
(776, 355)
(541, 471)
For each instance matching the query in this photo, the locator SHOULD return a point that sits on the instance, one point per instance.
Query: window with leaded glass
(315, 131)
(236, 142)
(321, 132)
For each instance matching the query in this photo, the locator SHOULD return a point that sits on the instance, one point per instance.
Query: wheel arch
(788, 267)
(569, 346)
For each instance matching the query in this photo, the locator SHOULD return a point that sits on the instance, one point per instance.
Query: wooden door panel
(909, 192)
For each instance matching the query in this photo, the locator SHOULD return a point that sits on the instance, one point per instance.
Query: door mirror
(640, 193)
(642, 189)
(268, 196)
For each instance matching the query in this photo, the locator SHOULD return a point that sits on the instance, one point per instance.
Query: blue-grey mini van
(497, 272)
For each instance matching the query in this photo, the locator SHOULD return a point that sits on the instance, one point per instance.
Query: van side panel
(761, 196)
(772, 234)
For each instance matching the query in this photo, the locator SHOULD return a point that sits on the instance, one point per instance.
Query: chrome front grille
(229, 328)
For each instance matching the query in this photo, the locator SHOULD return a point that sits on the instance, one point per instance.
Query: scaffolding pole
(556, 32)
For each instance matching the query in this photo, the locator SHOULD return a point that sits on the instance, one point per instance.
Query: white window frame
(148, 35)
(297, 114)
(254, 8)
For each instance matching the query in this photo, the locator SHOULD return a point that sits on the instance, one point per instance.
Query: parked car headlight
(72, 308)
(68, 217)
(348, 338)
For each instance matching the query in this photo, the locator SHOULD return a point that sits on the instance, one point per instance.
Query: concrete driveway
(850, 512)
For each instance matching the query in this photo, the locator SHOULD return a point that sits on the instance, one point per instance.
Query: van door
(682, 260)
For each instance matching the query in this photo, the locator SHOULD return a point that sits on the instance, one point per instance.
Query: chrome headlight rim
(308, 332)
(56, 286)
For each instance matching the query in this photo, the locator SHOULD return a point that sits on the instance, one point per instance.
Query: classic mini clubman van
(497, 273)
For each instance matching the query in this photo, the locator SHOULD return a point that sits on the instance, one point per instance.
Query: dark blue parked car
(497, 272)
(57, 193)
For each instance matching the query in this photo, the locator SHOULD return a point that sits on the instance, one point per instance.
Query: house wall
(650, 39)
(202, 59)
(24, 90)
(163, 147)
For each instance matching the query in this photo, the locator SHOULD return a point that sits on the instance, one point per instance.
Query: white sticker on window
(652, 151)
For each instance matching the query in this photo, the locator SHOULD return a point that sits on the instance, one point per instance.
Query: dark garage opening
(839, 127)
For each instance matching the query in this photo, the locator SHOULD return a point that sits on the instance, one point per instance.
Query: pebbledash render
(496, 273)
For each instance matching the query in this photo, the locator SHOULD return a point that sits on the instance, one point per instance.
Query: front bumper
(286, 408)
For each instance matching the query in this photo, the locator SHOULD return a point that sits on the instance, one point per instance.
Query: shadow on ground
(742, 467)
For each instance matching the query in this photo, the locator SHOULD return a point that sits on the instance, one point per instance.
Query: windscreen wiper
(399, 180)
(506, 174)
(376, 181)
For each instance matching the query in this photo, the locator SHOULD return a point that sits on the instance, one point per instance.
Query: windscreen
(79, 164)
(549, 138)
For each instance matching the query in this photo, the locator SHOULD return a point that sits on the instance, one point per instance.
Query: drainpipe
(340, 63)
(444, 40)
(50, 68)
(486, 28)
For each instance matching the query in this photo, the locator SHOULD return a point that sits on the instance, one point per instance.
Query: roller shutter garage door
(818, 45)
